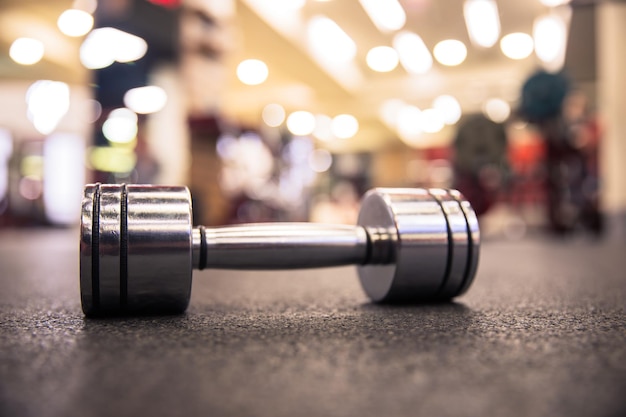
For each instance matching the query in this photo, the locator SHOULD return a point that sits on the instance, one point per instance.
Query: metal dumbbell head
(436, 242)
(135, 249)
(138, 247)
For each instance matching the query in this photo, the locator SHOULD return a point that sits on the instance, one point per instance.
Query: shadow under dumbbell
(420, 307)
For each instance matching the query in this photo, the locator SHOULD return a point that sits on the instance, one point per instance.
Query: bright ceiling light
(450, 52)
(48, 101)
(408, 123)
(390, 110)
(252, 71)
(482, 21)
(323, 128)
(64, 173)
(344, 126)
(26, 51)
(382, 59)
(414, 56)
(431, 121)
(103, 46)
(97, 51)
(273, 115)
(517, 45)
(386, 15)
(75, 22)
(497, 110)
(329, 42)
(120, 126)
(145, 100)
(301, 123)
(449, 108)
(554, 3)
(550, 35)
(129, 47)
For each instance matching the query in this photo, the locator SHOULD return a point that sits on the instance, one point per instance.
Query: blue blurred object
(543, 95)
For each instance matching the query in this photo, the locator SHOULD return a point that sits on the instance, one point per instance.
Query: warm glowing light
(129, 47)
(497, 110)
(550, 35)
(273, 115)
(252, 71)
(301, 123)
(145, 100)
(382, 58)
(450, 52)
(387, 15)
(323, 128)
(75, 22)
(482, 21)
(31, 166)
(112, 159)
(120, 126)
(329, 42)
(344, 126)
(431, 121)
(96, 51)
(517, 45)
(554, 3)
(26, 51)
(320, 160)
(408, 123)
(390, 110)
(449, 108)
(414, 56)
(48, 101)
(64, 174)
(103, 46)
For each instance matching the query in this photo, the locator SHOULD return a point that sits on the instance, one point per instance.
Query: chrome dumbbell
(138, 247)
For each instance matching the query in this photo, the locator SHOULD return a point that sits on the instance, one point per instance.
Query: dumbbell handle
(290, 246)
(138, 247)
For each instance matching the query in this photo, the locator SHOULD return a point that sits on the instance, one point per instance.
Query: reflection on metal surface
(138, 247)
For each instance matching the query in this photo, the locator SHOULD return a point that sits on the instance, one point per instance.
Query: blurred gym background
(275, 110)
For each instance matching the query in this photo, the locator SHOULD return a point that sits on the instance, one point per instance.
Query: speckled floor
(542, 332)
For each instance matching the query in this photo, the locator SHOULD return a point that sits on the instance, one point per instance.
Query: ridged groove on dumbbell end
(436, 244)
(462, 238)
(89, 241)
(473, 231)
(135, 254)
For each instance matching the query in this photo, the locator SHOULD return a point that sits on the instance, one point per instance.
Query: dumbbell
(138, 247)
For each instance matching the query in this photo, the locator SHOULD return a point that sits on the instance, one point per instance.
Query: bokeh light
(273, 115)
(145, 100)
(252, 71)
(26, 51)
(73, 22)
(450, 52)
(301, 123)
(344, 126)
(382, 59)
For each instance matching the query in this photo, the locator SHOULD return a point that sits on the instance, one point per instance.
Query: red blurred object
(170, 4)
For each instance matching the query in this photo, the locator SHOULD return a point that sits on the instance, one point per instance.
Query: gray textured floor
(541, 333)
